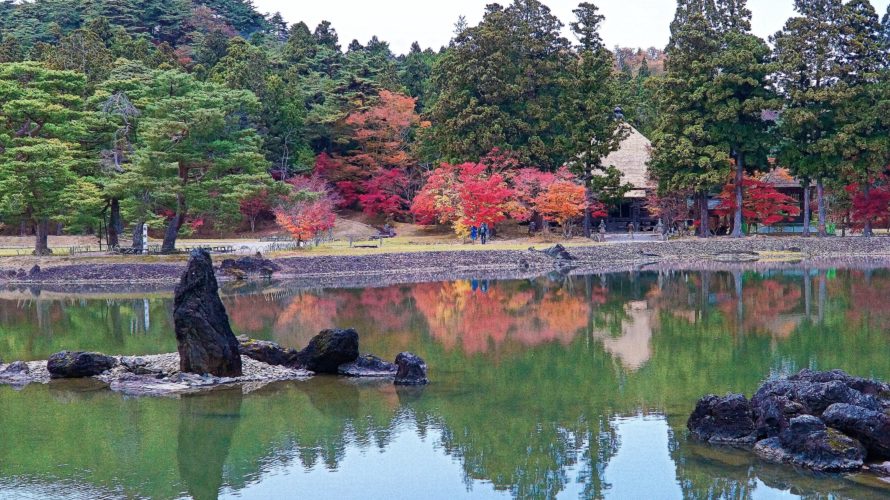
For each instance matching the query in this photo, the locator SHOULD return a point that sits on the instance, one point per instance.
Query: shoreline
(424, 266)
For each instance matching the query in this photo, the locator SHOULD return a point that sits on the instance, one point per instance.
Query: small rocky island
(822, 421)
(210, 355)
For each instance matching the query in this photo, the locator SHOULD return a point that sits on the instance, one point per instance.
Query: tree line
(185, 115)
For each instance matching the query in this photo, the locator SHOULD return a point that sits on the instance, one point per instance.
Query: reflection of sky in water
(409, 467)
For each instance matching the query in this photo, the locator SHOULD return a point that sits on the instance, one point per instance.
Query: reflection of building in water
(632, 347)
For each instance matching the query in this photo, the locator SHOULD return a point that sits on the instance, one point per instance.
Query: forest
(204, 116)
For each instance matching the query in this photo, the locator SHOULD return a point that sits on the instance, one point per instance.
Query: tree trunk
(169, 244)
(588, 230)
(820, 206)
(137, 235)
(866, 226)
(41, 245)
(252, 224)
(703, 226)
(806, 207)
(739, 195)
(115, 224)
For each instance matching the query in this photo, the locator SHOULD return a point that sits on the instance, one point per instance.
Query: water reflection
(574, 386)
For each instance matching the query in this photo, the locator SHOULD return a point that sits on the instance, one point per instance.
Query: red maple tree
(762, 203)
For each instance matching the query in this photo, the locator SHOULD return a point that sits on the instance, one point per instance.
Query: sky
(629, 23)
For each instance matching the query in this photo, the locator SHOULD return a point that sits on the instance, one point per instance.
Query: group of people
(482, 232)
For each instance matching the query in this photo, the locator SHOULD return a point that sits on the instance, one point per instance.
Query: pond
(555, 387)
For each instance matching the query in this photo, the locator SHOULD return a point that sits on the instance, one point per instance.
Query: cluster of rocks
(209, 354)
(823, 421)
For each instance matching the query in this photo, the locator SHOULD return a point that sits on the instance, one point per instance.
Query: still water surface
(570, 388)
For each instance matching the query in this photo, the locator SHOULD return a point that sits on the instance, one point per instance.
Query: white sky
(629, 23)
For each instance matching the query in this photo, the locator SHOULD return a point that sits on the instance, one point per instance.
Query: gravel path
(391, 268)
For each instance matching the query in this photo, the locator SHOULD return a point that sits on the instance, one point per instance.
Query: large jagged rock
(328, 350)
(67, 364)
(723, 420)
(411, 370)
(774, 413)
(808, 443)
(205, 340)
(869, 427)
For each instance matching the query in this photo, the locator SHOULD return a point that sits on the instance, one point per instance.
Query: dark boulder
(368, 366)
(773, 413)
(21, 274)
(138, 366)
(816, 392)
(411, 370)
(870, 427)
(205, 340)
(267, 352)
(68, 364)
(863, 385)
(34, 272)
(808, 443)
(244, 266)
(723, 420)
(558, 252)
(328, 350)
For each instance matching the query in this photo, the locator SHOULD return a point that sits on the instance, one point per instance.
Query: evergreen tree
(595, 130)
(864, 138)
(807, 53)
(500, 85)
(687, 155)
(41, 122)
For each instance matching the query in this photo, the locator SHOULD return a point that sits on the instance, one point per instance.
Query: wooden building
(631, 159)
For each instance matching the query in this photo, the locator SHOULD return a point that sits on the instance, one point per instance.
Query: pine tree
(808, 58)
(595, 130)
(41, 123)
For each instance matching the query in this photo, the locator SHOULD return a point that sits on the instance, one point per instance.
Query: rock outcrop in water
(67, 364)
(328, 350)
(205, 340)
(411, 370)
(824, 421)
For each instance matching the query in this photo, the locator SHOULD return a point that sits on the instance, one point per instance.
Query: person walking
(483, 232)
(473, 234)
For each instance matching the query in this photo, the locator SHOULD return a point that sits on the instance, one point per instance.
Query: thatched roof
(631, 160)
(780, 177)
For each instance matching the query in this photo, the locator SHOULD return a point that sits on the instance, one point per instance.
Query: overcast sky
(630, 23)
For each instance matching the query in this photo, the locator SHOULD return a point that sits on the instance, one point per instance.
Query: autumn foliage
(307, 210)
(375, 174)
(869, 205)
(762, 203)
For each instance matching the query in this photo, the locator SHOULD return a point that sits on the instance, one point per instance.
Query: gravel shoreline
(392, 268)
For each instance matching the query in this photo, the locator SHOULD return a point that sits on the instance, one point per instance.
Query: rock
(205, 340)
(21, 274)
(863, 385)
(34, 272)
(559, 252)
(869, 427)
(267, 352)
(328, 350)
(138, 365)
(723, 420)
(411, 370)
(241, 267)
(773, 413)
(368, 366)
(816, 392)
(68, 364)
(808, 443)
(16, 368)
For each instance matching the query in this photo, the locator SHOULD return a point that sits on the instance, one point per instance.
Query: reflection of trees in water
(527, 378)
